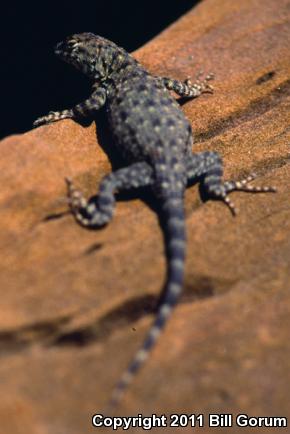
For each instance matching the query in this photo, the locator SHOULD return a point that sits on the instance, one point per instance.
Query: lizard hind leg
(209, 165)
(98, 211)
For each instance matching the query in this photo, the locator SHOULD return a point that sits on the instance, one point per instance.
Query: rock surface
(76, 304)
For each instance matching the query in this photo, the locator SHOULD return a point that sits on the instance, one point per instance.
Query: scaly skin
(155, 139)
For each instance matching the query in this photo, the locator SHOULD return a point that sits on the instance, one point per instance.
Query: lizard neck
(123, 65)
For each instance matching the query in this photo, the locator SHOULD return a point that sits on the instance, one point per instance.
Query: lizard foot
(242, 185)
(53, 117)
(201, 84)
(78, 204)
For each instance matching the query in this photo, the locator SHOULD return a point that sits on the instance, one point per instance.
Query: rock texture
(76, 304)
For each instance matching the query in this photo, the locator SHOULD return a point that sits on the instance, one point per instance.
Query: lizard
(155, 139)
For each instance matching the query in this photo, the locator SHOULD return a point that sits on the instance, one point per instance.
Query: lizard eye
(72, 43)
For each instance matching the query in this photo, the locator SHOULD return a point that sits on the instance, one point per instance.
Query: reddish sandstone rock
(76, 304)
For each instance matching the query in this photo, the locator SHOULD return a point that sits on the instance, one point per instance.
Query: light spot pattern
(155, 139)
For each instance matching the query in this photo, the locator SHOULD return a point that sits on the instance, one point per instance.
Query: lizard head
(91, 54)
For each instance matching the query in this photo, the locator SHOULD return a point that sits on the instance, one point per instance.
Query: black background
(34, 81)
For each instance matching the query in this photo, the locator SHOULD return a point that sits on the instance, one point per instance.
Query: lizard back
(146, 120)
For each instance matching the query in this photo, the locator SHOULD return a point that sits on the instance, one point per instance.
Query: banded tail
(173, 210)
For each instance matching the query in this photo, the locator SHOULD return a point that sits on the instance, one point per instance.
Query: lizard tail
(175, 248)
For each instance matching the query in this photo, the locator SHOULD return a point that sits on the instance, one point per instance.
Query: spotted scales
(155, 139)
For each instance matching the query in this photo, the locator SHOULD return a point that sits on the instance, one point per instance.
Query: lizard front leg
(97, 212)
(187, 89)
(82, 110)
(209, 166)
